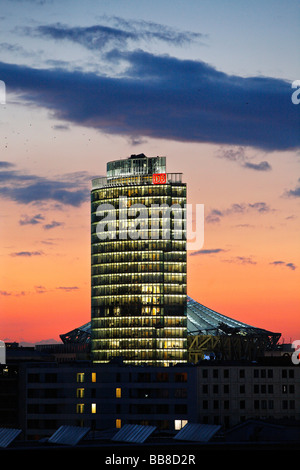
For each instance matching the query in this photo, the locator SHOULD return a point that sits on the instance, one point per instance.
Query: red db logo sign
(159, 178)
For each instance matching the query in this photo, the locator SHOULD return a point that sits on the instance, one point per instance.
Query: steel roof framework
(201, 320)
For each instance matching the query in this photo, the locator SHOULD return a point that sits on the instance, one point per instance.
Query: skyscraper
(139, 263)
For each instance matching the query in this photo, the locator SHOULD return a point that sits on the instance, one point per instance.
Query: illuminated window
(93, 407)
(118, 423)
(80, 408)
(118, 393)
(180, 423)
(80, 377)
(80, 392)
(93, 376)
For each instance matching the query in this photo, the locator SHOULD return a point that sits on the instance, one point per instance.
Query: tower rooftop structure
(135, 170)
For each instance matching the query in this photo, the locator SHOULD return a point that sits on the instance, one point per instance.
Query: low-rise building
(107, 396)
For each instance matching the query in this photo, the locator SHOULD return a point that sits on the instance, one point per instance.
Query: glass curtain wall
(139, 284)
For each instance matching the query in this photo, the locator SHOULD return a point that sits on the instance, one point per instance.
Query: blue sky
(239, 37)
(225, 78)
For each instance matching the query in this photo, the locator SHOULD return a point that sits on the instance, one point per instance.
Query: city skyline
(209, 86)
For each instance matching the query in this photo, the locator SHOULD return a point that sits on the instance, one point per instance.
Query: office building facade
(138, 258)
(108, 396)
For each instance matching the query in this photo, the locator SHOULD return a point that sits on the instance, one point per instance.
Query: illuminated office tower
(139, 263)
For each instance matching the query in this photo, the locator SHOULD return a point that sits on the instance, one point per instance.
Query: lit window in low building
(118, 392)
(80, 377)
(80, 408)
(118, 423)
(80, 392)
(180, 423)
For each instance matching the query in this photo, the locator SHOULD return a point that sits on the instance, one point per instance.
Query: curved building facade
(138, 263)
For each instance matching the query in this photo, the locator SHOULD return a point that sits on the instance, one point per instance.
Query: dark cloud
(92, 37)
(260, 207)
(238, 154)
(283, 263)
(6, 164)
(291, 266)
(13, 176)
(207, 252)
(26, 189)
(27, 220)
(47, 190)
(27, 254)
(294, 192)
(53, 224)
(164, 97)
(214, 216)
(99, 36)
(262, 166)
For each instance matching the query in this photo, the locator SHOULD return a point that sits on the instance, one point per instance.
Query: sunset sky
(208, 84)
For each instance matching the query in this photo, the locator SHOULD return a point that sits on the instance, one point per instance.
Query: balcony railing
(104, 181)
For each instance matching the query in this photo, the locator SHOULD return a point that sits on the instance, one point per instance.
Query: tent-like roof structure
(201, 320)
(205, 321)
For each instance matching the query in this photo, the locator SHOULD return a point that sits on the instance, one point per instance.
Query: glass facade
(138, 264)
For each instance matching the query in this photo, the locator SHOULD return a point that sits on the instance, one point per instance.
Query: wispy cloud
(53, 224)
(100, 36)
(241, 260)
(40, 289)
(294, 192)
(291, 266)
(27, 254)
(11, 294)
(68, 289)
(31, 220)
(238, 154)
(207, 251)
(5, 293)
(150, 30)
(215, 215)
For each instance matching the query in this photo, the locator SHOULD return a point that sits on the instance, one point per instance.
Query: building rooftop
(201, 320)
